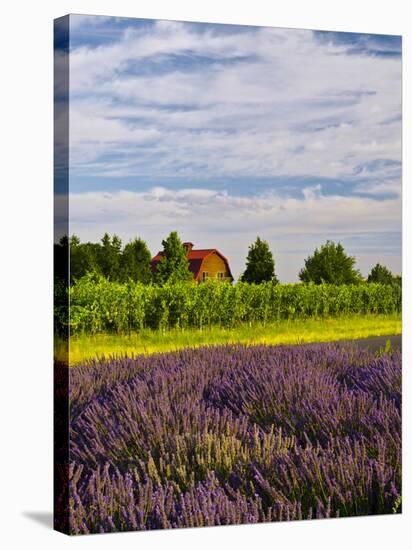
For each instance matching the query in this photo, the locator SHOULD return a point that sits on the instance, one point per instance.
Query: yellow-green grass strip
(283, 332)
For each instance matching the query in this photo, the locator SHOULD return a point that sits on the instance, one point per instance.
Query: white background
(26, 218)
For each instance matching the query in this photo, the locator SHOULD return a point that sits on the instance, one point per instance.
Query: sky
(226, 132)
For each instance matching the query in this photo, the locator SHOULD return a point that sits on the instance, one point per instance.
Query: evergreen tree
(173, 265)
(260, 265)
(381, 274)
(330, 264)
(136, 259)
(109, 257)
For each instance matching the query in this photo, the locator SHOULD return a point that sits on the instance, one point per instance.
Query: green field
(282, 332)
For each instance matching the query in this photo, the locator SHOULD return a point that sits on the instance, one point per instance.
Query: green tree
(260, 265)
(83, 258)
(397, 279)
(381, 274)
(330, 264)
(173, 265)
(136, 259)
(110, 257)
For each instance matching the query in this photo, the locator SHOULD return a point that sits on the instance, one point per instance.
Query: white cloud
(268, 103)
(247, 118)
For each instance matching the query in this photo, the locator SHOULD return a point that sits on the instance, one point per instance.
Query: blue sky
(227, 132)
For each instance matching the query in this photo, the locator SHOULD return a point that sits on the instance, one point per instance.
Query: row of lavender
(234, 434)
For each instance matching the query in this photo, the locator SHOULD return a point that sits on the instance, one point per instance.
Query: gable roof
(196, 259)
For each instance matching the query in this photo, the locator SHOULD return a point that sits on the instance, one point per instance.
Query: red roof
(200, 254)
(195, 258)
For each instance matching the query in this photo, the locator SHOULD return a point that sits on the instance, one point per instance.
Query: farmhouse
(205, 264)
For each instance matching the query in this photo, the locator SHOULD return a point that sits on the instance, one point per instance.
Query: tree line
(328, 264)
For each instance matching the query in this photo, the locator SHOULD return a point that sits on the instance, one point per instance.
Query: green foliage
(99, 305)
(105, 258)
(260, 265)
(380, 274)
(61, 306)
(84, 258)
(397, 280)
(397, 508)
(135, 262)
(173, 265)
(110, 256)
(387, 348)
(330, 264)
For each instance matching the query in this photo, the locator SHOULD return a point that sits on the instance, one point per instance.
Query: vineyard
(100, 306)
(234, 434)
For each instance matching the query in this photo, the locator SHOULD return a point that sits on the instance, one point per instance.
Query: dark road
(376, 343)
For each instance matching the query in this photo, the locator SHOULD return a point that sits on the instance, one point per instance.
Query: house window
(219, 275)
(205, 275)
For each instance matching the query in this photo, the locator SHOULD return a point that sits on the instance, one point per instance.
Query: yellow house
(205, 264)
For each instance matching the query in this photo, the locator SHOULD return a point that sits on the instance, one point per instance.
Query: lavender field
(233, 434)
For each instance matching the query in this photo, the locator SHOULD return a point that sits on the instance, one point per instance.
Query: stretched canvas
(227, 274)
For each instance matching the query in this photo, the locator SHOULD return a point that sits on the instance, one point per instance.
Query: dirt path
(376, 343)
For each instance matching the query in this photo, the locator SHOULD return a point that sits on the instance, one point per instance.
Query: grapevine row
(98, 305)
